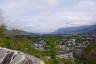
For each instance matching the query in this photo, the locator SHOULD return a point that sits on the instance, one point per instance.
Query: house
(66, 56)
(70, 42)
(39, 45)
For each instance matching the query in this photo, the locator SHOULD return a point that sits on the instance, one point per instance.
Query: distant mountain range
(88, 29)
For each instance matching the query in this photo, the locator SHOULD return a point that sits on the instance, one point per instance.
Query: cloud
(87, 4)
(48, 15)
(54, 2)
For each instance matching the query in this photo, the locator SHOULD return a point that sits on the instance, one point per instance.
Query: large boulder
(8, 56)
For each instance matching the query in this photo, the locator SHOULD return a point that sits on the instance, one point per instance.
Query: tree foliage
(2, 30)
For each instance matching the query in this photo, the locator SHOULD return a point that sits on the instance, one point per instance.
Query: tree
(88, 55)
(2, 30)
(51, 49)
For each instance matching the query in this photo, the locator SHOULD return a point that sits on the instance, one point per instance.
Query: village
(66, 46)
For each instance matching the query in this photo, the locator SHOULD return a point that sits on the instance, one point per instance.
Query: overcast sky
(44, 16)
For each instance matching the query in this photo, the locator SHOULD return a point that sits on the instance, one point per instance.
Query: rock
(8, 56)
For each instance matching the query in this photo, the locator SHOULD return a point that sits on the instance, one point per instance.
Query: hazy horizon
(43, 16)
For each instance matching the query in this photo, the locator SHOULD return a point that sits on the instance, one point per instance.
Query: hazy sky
(48, 15)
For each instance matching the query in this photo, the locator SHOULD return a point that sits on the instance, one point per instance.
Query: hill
(89, 29)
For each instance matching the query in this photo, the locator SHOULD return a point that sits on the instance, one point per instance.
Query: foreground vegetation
(22, 46)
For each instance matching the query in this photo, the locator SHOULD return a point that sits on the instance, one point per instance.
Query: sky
(43, 16)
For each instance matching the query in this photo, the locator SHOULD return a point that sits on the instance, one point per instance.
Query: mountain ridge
(88, 29)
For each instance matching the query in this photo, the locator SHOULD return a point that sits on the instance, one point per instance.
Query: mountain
(8, 56)
(88, 29)
(18, 32)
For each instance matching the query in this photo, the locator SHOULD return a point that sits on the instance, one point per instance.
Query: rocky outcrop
(8, 56)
